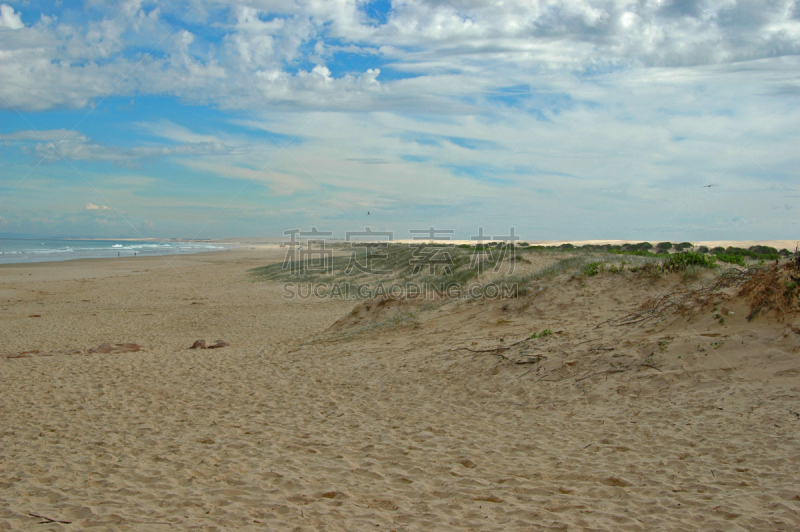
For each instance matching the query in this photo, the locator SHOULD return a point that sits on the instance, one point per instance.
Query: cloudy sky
(564, 119)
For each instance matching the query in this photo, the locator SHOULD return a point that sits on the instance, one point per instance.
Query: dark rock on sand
(219, 343)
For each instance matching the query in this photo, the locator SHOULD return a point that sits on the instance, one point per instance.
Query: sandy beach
(300, 266)
(325, 414)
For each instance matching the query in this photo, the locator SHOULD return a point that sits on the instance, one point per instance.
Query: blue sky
(566, 120)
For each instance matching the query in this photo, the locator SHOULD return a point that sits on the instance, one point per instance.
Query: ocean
(16, 251)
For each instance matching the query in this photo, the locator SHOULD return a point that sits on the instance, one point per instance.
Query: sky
(565, 120)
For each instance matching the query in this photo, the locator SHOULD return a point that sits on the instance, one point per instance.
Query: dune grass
(442, 266)
(398, 262)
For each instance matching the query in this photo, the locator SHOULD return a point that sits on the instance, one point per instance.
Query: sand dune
(334, 415)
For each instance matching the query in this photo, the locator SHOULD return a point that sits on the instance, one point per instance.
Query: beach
(334, 414)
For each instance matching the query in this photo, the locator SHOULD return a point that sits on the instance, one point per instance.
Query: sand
(337, 415)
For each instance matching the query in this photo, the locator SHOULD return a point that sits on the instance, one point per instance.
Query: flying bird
(709, 186)
(367, 213)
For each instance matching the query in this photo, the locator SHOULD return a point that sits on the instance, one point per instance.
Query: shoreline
(99, 260)
(127, 255)
(271, 244)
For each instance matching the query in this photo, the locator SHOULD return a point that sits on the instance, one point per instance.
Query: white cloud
(278, 182)
(167, 129)
(10, 19)
(258, 62)
(93, 207)
(60, 144)
(567, 101)
(50, 135)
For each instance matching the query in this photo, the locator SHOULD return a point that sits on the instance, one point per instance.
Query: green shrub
(731, 259)
(648, 270)
(592, 269)
(637, 253)
(763, 250)
(679, 261)
(736, 255)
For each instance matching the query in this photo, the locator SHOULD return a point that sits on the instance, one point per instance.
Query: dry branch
(48, 520)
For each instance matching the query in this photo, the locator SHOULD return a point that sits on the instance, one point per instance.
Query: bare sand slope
(327, 415)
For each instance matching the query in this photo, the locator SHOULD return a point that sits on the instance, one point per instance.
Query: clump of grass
(690, 274)
(678, 262)
(650, 270)
(546, 332)
(615, 269)
(731, 259)
(592, 269)
(562, 266)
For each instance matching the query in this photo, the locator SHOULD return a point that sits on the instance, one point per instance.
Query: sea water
(14, 251)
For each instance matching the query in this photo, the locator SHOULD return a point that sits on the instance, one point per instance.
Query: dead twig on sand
(536, 360)
(681, 299)
(495, 351)
(519, 342)
(503, 347)
(48, 520)
(648, 365)
(531, 360)
(492, 350)
(545, 375)
(653, 311)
